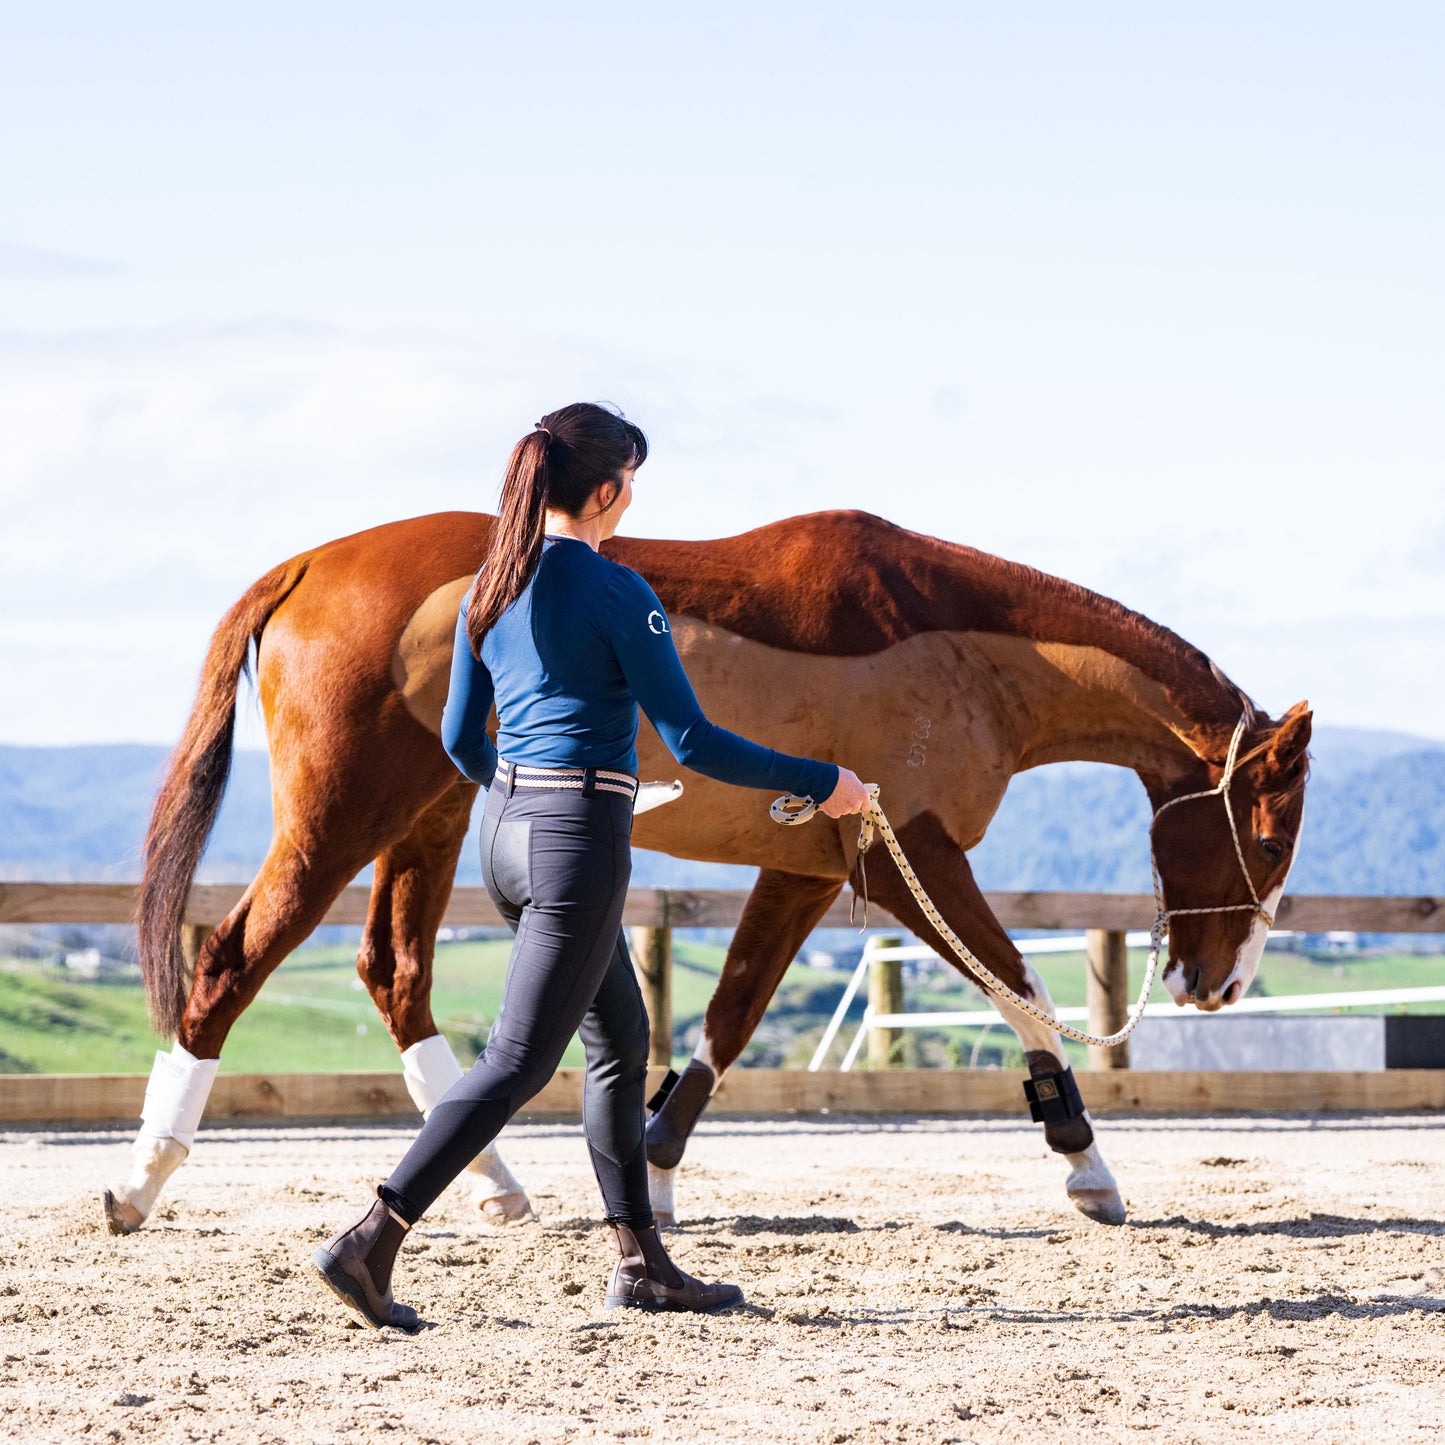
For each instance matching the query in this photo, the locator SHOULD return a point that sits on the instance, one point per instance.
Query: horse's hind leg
(781, 911)
(943, 869)
(409, 894)
(285, 902)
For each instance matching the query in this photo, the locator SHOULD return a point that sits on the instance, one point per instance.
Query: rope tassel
(865, 842)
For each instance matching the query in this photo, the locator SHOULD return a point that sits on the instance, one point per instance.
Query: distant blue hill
(81, 812)
(1375, 822)
(1079, 828)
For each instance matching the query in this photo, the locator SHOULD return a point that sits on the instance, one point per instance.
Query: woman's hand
(850, 796)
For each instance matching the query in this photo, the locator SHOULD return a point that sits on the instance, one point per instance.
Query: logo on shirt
(660, 625)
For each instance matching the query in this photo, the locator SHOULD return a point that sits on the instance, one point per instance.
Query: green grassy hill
(314, 1016)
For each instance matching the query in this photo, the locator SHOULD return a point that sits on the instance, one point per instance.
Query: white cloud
(42, 263)
(148, 476)
(1355, 671)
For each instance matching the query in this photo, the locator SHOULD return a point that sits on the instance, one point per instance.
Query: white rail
(987, 1017)
(873, 949)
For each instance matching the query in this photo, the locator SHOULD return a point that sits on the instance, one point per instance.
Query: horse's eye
(1273, 847)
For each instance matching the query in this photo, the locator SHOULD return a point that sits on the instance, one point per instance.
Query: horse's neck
(1085, 704)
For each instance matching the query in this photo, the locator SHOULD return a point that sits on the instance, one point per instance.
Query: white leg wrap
(176, 1096)
(430, 1069)
(175, 1099)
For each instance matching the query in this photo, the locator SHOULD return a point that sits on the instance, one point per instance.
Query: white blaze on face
(1174, 980)
(1246, 960)
(1247, 955)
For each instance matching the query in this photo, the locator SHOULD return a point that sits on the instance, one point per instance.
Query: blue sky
(1145, 296)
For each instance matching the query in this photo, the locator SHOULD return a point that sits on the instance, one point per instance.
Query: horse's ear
(1291, 738)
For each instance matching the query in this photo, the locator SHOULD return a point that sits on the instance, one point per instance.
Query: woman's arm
(637, 627)
(469, 706)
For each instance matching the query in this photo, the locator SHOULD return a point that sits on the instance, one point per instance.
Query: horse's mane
(850, 583)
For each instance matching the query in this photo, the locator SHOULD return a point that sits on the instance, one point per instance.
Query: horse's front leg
(409, 894)
(1054, 1101)
(781, 911)
(943, 869)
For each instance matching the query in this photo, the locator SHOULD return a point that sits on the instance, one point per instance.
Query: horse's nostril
(1191, 979)
(1232, 993)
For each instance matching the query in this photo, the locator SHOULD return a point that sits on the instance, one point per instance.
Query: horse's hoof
(511, 1208)
(1103, 1206)
(121, 1216)
(664, 1218)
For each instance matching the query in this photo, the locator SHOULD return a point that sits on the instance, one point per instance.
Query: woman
(567, 645)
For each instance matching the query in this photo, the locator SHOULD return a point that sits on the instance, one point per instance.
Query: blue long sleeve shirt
(568, 664)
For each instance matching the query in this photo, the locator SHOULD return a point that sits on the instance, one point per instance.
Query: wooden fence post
(652, 958)
(1108, 994)
(885, 996)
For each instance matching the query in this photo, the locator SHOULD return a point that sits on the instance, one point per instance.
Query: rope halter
(792, 810)
(1221, 789)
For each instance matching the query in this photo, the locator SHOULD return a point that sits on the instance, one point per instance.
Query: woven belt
(568, 780)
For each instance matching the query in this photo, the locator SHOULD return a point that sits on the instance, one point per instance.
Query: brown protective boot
(646, 1279)
(356, 1266)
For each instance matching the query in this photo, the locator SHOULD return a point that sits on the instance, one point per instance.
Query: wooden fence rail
(722, 907)
(652, 914)
(77, 1099)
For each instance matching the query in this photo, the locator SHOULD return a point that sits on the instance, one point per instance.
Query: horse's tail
(190, 797)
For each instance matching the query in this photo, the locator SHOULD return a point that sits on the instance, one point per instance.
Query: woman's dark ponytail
(559, 464)
(517, 540)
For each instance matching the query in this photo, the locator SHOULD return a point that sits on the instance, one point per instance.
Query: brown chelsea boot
(356, 1266)
(646, 1279)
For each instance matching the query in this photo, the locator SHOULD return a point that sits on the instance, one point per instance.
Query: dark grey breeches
(557, 865)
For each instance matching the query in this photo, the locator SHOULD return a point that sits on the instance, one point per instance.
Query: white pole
(836, 1022)
(860, 1037)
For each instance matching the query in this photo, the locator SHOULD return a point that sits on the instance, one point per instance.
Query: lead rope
(792, 810)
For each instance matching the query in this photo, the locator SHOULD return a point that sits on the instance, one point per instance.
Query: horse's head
(1213, 956)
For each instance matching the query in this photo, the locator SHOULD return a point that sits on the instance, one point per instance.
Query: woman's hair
(559, 464)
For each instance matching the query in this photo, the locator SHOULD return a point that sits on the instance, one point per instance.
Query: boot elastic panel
(646, 1278)
(332, 1274)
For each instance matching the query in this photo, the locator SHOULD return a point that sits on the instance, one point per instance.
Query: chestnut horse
(933, 669)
